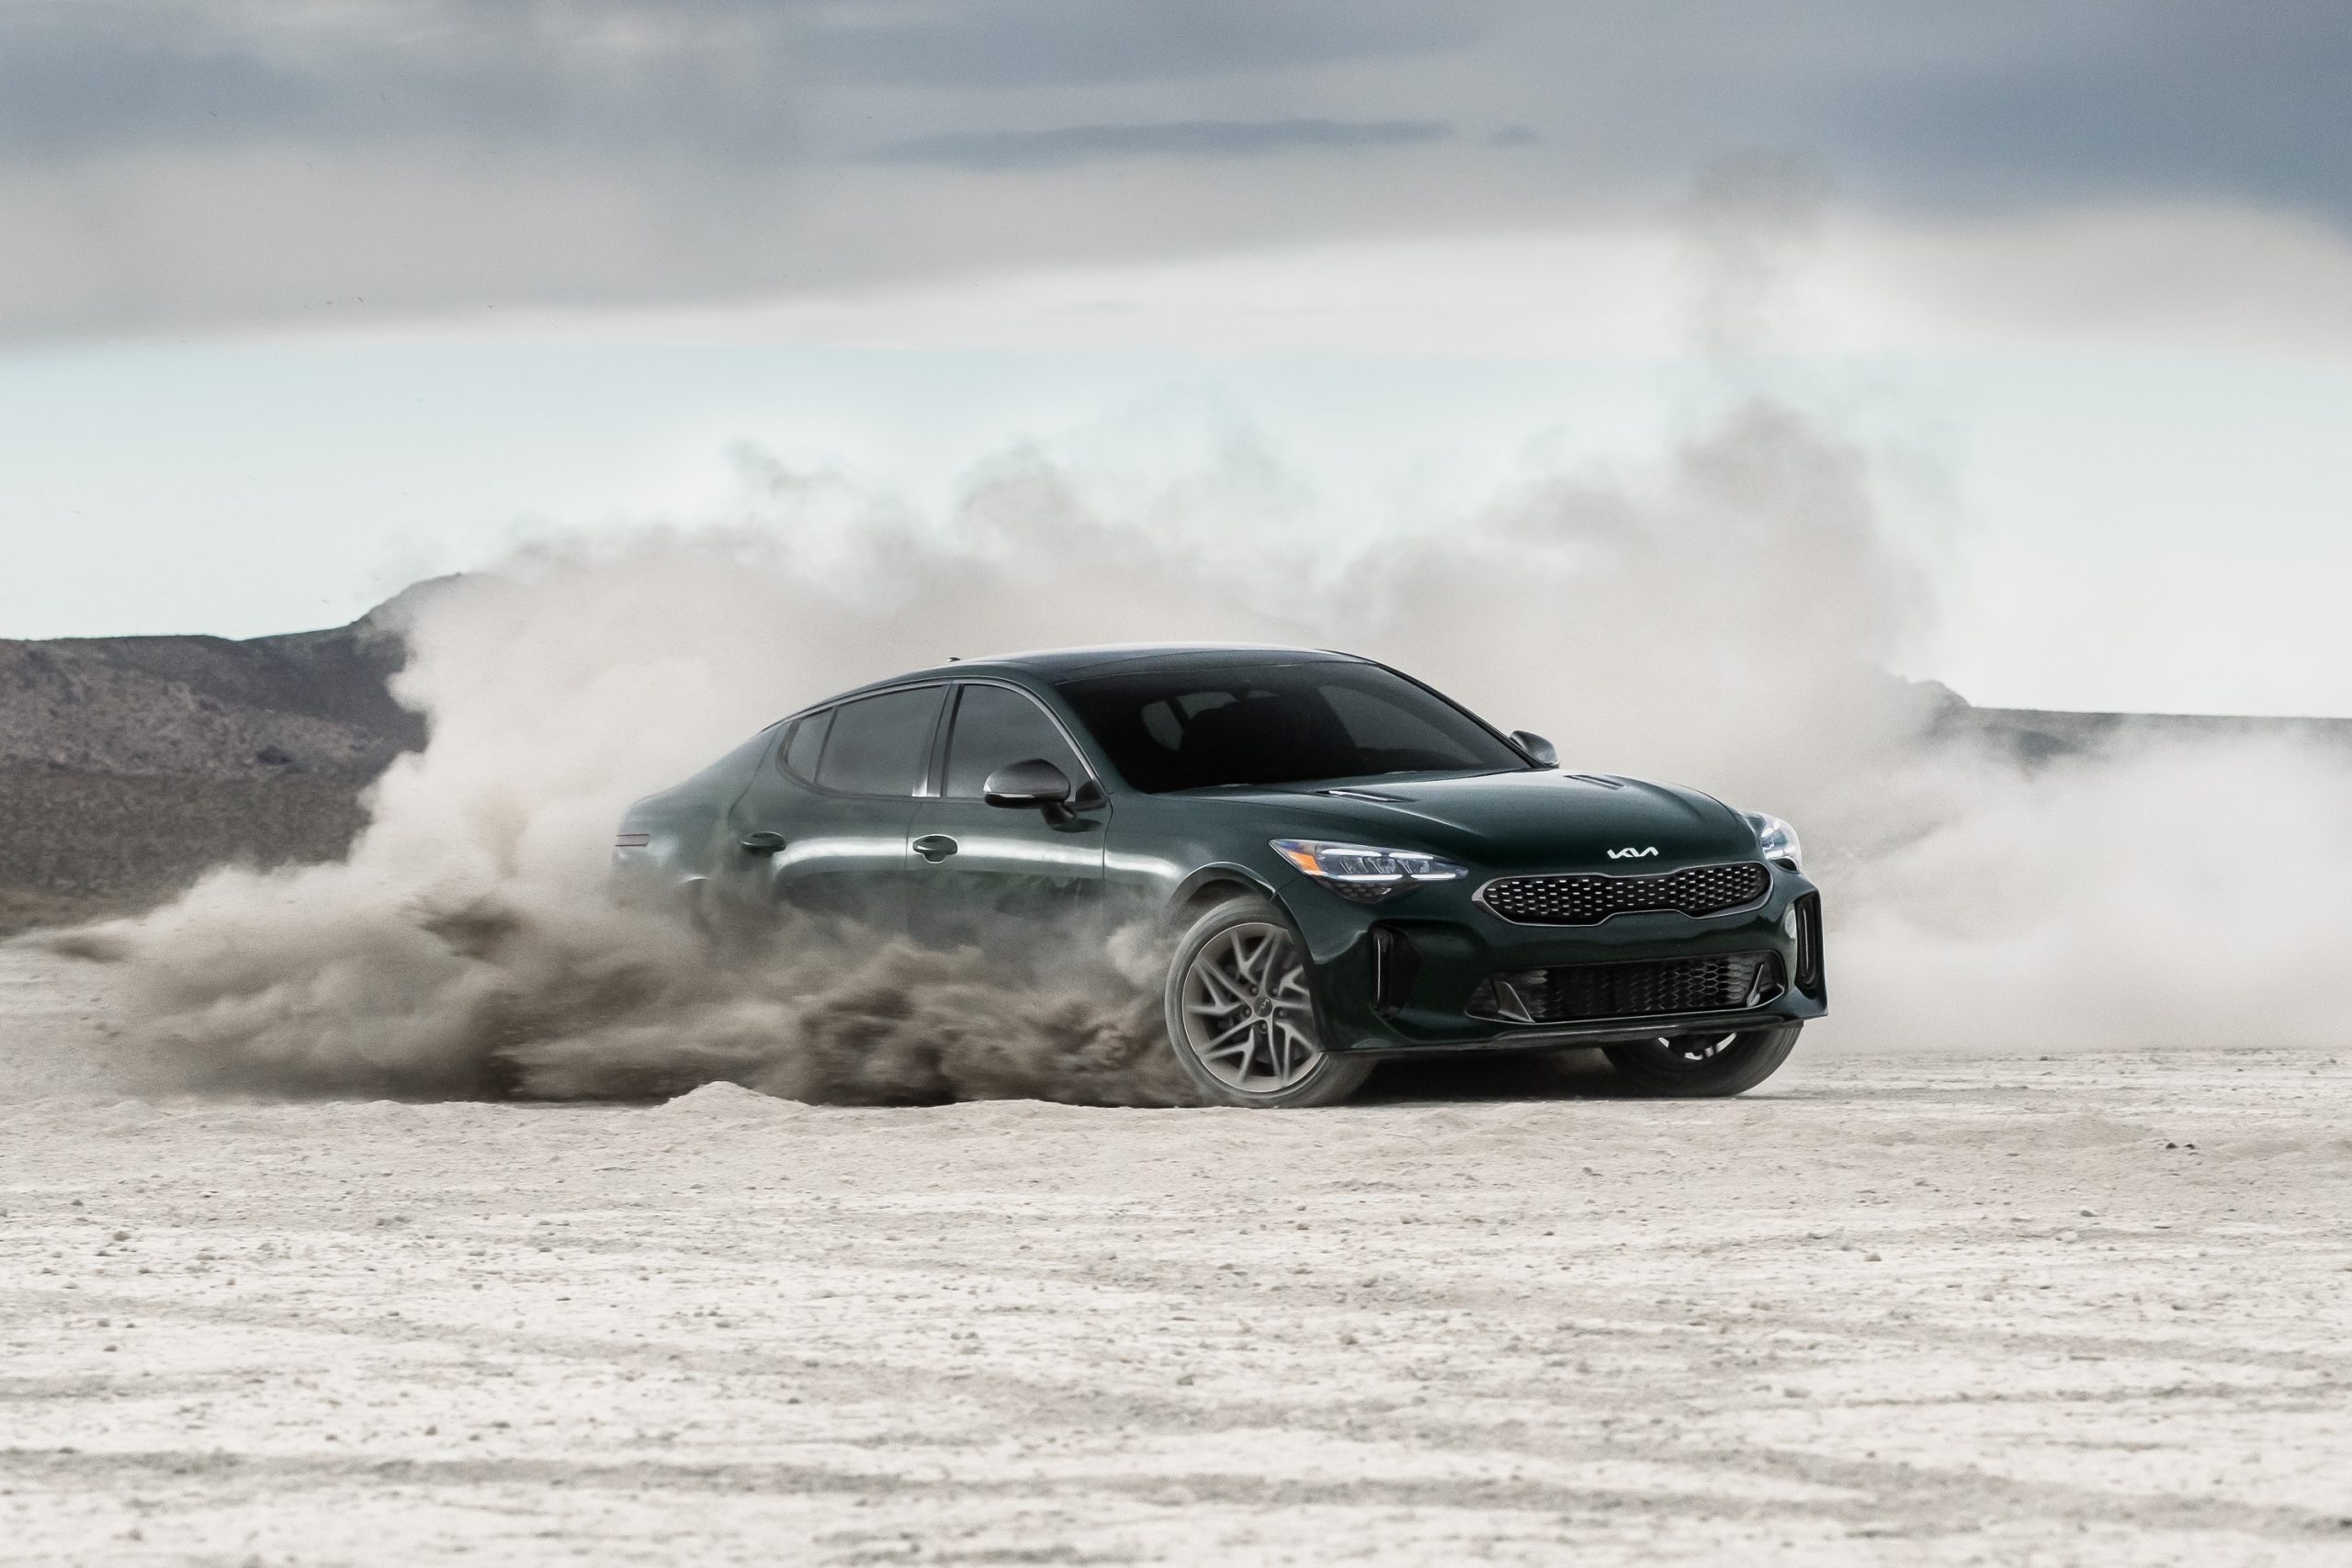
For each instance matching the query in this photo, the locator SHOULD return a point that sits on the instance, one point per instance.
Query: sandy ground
(2083, 1309)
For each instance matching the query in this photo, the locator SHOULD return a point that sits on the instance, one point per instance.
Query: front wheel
(1697, 1066)
(1241, 1013)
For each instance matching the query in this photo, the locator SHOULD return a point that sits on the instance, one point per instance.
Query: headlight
(1776, 839)
(1363, 874)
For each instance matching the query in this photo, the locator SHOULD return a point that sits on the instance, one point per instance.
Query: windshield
(1167, 729)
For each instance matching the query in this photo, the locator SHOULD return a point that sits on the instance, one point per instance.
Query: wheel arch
(1212, 886)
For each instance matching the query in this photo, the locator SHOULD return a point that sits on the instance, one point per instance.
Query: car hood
(1517, 821)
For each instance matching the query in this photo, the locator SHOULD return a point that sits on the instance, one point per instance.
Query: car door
(823, 828)
(983, 873)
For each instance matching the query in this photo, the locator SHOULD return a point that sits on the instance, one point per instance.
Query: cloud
(175, 163)
(1185, 138)
(1049, 43)
(2146, 102)
(68, 89)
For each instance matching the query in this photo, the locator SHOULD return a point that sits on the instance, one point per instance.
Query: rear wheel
(1241, 1013)
(1697, 1066)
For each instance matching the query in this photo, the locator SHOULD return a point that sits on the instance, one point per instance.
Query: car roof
(1057, 664)
(1064, 663)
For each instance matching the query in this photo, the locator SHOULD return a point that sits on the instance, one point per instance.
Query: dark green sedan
(1352, 866)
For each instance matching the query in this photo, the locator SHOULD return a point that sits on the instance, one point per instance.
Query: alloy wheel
(1249, 1017)
(1695, 1050)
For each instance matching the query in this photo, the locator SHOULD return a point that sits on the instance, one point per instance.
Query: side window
(878, 745)
(994, 725)
(801, 746)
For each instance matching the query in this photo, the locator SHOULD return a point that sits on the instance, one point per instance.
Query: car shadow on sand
(1517, 1075)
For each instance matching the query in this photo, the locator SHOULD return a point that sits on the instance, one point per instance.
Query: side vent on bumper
(1809, 979)
(1396, 964)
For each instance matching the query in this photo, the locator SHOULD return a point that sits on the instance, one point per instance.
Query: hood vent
(1603, 780)
(1367, 794)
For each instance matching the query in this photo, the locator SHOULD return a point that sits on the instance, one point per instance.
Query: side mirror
(1035, 784)
(1541, 753)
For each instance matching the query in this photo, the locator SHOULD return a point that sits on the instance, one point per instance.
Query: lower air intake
(1722, 982)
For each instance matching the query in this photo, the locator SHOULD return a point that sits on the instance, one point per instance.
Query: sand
(2074, 1308)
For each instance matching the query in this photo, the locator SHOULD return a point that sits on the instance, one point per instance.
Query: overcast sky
(300, 296)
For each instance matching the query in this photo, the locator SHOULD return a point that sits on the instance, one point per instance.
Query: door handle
(935, 847)
(762, 843)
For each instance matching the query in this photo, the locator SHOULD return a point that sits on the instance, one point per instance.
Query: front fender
(1188, 894)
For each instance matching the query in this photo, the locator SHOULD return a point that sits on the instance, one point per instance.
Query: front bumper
(1450, 943)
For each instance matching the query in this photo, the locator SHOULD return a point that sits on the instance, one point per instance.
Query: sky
(302, 300)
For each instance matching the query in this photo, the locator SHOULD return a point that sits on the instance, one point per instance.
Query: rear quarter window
(804, 745)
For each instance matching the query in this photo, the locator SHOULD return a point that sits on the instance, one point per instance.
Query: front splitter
(1606, 1032)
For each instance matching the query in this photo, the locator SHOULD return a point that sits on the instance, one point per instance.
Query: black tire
(1325, 1079)
(1703, 1066)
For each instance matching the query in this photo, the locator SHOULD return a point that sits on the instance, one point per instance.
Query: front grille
(1721, 981)
(1587, 898)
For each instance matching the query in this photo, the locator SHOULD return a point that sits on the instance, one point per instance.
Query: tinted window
(1278, 724)
(801, 746)
(1372, 721)
(995, 726)
(878, 745)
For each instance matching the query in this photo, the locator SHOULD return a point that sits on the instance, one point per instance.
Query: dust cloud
(532, 992)
(1725, 620)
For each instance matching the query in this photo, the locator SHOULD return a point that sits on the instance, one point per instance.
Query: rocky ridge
(127, 766)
